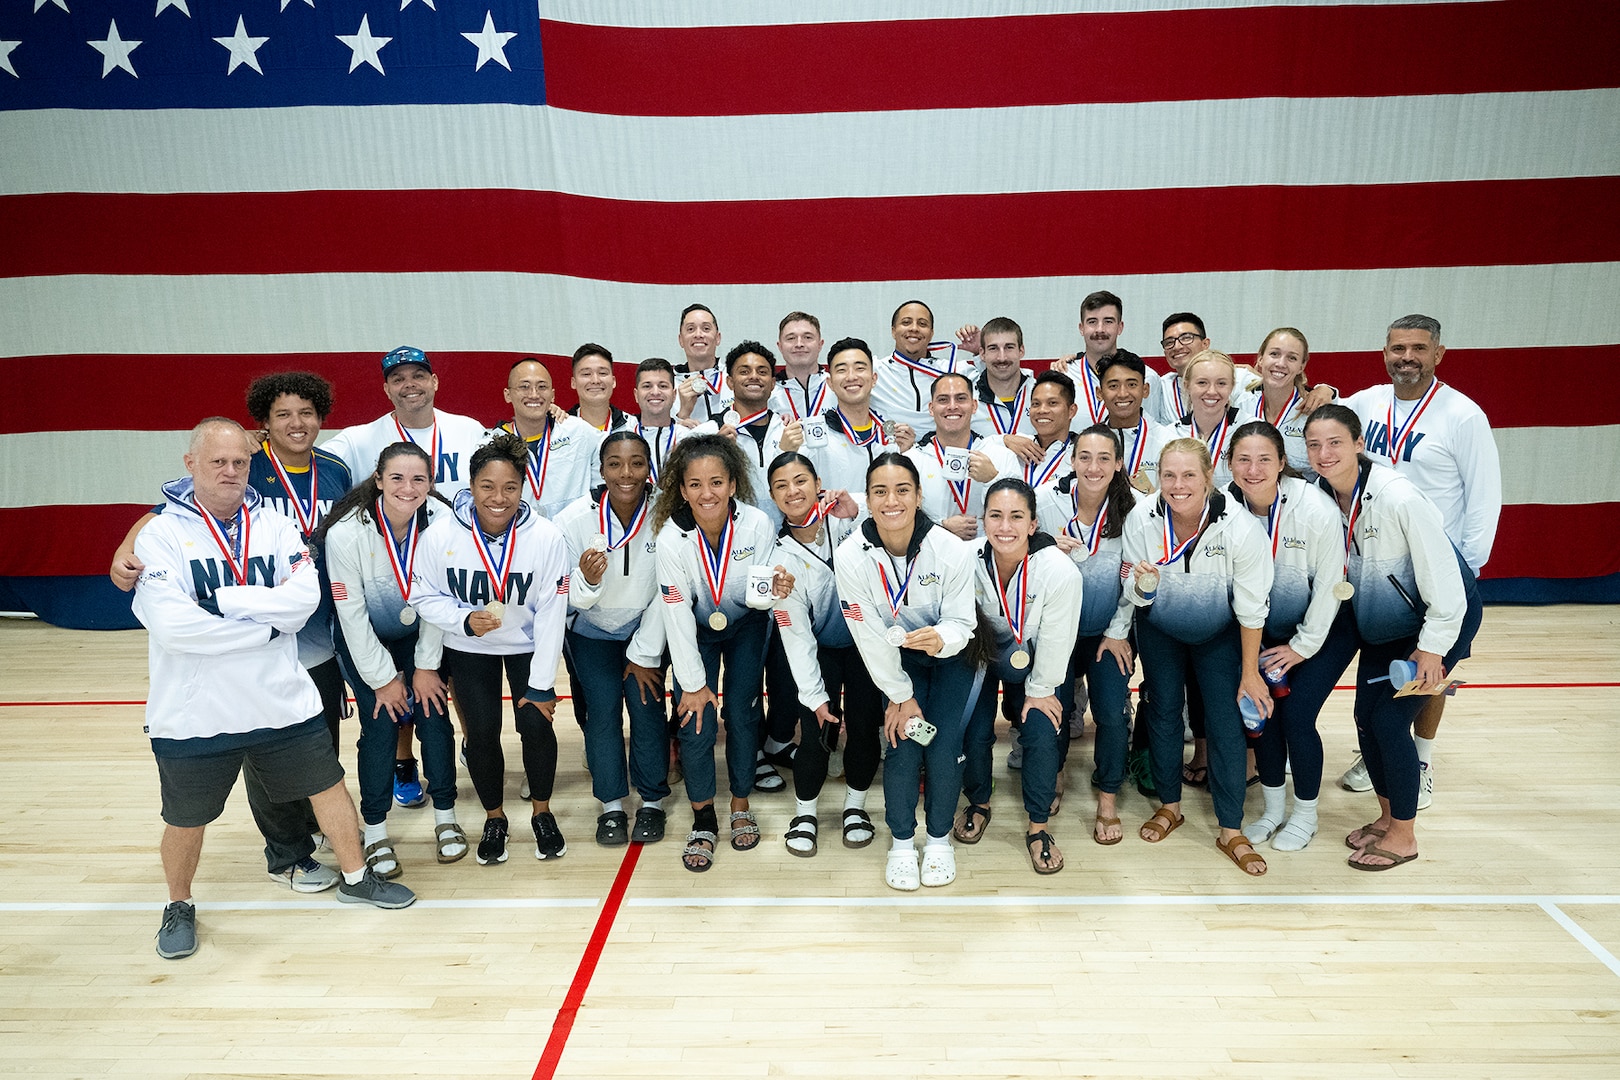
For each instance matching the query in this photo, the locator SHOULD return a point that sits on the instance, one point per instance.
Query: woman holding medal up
(1412, 598)
(618, 629)
(906, 589)
(492, 578)
(717, 584)
(834, 687)
(1306, 647)
(1085, 514)
(1201, 568)
(388, 655)
(1030, 593)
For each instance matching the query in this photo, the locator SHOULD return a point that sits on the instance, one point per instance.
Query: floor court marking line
(560, 1028)
(1604, 956)
(615, 900)
(564, 697)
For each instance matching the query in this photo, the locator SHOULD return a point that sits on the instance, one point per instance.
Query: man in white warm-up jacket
(226, 586)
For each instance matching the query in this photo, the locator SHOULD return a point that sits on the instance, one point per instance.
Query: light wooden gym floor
(1492, 955)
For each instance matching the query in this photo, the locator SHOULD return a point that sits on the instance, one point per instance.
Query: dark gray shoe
(613, 829)
(177, 937)
(373, 890)
(649, 827)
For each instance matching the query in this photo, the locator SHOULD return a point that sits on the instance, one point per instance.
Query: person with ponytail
(388, 654)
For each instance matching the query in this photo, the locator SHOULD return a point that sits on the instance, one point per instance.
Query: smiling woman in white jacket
(1201, 568)
(906, 589)
(1412, 597)
(616, 637)
(493, 577)
(390, 656)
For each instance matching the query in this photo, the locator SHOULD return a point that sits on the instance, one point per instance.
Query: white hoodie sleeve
(550, 609)
(345, 547)
(1061, 590)
(1324, 544)
(861, 614)
(676, 560)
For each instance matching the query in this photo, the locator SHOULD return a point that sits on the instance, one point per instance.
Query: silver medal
(407, 615)
(599, 542)
(895, 635)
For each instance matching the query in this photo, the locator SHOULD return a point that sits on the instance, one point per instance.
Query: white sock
(939, 841)
(444, 817)
(1276, 799)
(854, 800)
(613, 804)
(1425, 749)
(376, 832)
(653, 804)
(353, 877)
(908, 844)
(805, 807)
(1304, 814)
(775, 746)
(188, 901)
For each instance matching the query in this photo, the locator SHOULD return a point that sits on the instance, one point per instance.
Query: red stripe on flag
(1515, 46)
(340, 591)
(1319, 227)
(471, 383)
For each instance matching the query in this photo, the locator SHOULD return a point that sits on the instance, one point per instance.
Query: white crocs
(938, 865)
(901, 870)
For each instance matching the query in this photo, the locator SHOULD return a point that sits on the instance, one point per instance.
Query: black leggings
(476, 681)
(854, 699)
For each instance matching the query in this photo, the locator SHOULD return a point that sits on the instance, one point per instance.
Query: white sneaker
(523, 792)
(938, 865)
(307, 876)
(1425, 785)
(1355, 778)
(901, 870)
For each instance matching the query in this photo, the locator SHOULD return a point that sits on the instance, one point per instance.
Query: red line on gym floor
(1466, 685)
(564, 1023)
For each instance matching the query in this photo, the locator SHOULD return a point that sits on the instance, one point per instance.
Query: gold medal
(1141, 483)
(497, 610)
(1019, 659)
(717, 621)
(1343, 590)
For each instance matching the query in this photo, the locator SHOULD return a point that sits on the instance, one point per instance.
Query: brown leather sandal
(1160, 825)
(1230, 849)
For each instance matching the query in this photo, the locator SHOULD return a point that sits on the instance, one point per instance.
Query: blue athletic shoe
(407, 785)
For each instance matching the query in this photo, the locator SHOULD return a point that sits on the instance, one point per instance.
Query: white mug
(760, 582)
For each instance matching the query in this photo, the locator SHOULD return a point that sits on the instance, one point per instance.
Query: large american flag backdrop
(194, 192)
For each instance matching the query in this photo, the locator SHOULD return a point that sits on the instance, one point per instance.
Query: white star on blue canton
(5, 56)
(181, 4)
(244, 49)
(41, 3)
(403, 4)
(284, 3)
(491, 43)
(365, 46)
(114, 51)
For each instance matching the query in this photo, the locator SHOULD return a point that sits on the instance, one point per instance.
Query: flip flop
(964, 831)
(1106, 821)
(1038, 859)
(1369, 835)
(1374, 849)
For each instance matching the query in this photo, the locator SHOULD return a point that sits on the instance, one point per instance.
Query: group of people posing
(892, 545)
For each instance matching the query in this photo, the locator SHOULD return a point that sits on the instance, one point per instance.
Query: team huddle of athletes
(843, 561)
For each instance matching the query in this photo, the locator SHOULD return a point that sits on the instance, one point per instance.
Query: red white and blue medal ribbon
(662, 451)
(947, 347)
(401, 553)
(433, 445)
(308, 517)
(1077, 529)
(1350, 526)
(746, 421)
(1041, 471)
(539, 458)
(960, 493)
(1260, 409)
(1274, 522)
(1217, 439)
(244, 524)
(811, 408)
(1133, 461)
(499, 569)
(605, 519)
(716, 561)
(1397, 439)
(1175, 388)
(1095, 408)
(1173, 550)
(896, 596)
(876, 434)
(716, 384)
(1013, 609)
(817, 512)
(1014, 413)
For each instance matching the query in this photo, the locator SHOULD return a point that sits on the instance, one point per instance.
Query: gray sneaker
(177, 937)
(306, 875)
(373, 890)
(1355, 778)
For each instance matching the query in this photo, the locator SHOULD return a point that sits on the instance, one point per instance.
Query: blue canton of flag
(159, 54)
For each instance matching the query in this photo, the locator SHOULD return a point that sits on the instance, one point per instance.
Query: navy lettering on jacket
(1378, 440)
(472, 586)
(207, 574)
